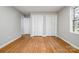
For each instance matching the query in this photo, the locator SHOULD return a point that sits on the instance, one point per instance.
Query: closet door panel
(26, 25)
(40, 24)
(50, 25)
(53, 25)
(34, 25)
(37, 25)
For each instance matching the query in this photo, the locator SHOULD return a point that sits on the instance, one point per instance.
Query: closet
(44, 24)
(41, 24)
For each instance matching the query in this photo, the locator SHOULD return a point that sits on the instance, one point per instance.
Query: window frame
(72, 17)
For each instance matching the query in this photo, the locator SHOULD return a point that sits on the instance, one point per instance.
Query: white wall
(64, 27)
(10, 24)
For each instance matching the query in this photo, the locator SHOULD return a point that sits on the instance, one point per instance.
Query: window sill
(75, 32)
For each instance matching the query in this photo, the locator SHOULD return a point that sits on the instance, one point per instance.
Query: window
(75, 20)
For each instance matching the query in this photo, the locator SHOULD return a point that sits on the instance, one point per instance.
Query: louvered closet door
(37, 25)
(44, 25)
(50, 25)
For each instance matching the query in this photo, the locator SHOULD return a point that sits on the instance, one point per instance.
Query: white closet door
(40, 24)
(37, 25)
(44, 25)
(26, 24)
(55, 24)
(50, 25)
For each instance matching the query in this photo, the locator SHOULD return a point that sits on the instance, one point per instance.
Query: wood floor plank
(38, 44)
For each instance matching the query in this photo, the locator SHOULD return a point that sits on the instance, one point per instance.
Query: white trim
(39, 35)
(42, 35)
(71, 19)
(9, 42)
(69, 43)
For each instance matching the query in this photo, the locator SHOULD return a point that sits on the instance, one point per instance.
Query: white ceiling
(29, 9)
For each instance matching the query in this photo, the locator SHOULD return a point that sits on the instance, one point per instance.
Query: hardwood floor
(38, 44)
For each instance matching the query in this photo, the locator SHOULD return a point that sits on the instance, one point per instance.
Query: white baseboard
(38, 35)
(69, 43)
(9, 42)
(42, 35)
